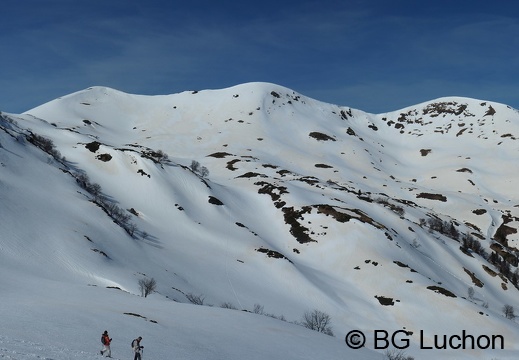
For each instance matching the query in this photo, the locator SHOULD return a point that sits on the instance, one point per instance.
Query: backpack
(133, 341)
(103, 340)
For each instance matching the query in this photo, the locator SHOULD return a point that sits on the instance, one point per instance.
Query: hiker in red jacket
(105, 340)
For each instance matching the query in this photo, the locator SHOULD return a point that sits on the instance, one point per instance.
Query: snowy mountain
(255, 198)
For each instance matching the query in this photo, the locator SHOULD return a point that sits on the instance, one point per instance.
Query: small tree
(147, 286)
(195, 166)
(199, 169)
(83, 180)
(95, 190)
(453, 232)
(204, 172)
(161, 156)
(508, 311)
(318, 321)
(258, 309)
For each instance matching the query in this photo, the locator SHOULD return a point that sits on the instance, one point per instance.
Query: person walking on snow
(136, 346)
(106, 340)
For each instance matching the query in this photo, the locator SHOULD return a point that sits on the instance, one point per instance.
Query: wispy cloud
(318, 48)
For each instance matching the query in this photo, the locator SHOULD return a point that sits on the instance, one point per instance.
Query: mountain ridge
(355, 210)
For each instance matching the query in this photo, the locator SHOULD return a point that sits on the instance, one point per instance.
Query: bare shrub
(318, 321)
(199, 169)
(161, 156)
(46, 145)
(130, 228)
(508, 311)
(119, 215)
(204, 172)
(258, 309)
(468, 242)
(228, 305)
(397, 355)
(158, 156)
(95, 190)
(147, 286)
(195, 166)
(195, 299)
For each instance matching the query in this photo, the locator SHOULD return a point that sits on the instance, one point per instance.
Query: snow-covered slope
(256, 196)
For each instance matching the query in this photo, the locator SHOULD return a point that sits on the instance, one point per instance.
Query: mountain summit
(258, 197)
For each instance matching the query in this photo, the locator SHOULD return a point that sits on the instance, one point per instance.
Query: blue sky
(373, 55)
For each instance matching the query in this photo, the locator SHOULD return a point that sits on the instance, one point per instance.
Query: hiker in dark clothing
(137, 348)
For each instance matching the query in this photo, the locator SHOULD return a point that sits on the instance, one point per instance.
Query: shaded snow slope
(295, 205)
(56, 321)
